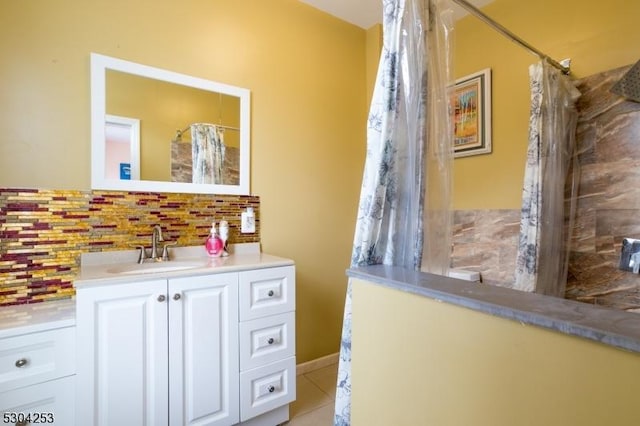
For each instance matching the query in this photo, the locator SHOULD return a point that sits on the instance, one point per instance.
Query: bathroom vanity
(195, 340)
(191, 341)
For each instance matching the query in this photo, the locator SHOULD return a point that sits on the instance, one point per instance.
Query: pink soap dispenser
(214, 244)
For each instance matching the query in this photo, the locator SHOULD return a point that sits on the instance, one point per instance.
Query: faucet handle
(165, 250)
(142, 256)
(634, 262)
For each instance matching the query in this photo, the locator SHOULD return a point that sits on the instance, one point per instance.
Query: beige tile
(308, 397)
(325, 378)
(319, 417)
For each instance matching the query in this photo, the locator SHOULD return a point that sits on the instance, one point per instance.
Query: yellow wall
(596, 35)
(306, 73)
(417, 361)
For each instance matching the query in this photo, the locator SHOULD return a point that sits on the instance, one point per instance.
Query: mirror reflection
(170, 116)
(158, 130)
(122, 147)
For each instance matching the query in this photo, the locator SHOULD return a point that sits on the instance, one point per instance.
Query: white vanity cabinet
(37, 368)
(199, 348)
(159, 352)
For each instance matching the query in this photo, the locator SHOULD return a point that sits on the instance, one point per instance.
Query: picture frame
(471, 100)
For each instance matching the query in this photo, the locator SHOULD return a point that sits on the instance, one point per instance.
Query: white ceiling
(366, 13)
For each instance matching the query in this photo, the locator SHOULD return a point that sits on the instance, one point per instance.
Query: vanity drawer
(36, 357)
(267, 292)
(265, 340)
(52, 402)
(266, 388)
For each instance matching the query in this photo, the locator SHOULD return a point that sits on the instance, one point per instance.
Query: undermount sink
(153, 268)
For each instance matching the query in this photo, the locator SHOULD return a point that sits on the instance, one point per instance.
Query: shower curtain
(392, 211)
(207, 153)
(551, 169)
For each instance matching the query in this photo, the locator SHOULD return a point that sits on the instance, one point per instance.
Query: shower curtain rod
(217, 125)
(496, 26)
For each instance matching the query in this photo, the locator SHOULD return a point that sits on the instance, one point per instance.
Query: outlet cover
(247, 223)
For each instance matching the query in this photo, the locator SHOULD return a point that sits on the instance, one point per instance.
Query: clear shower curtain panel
(207, 153)
(389, 228)
(547, 218)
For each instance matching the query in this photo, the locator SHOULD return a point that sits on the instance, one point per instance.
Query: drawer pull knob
(176, 296)
(270, 341)
(21, 362)
(161, 298)
(271, 293)
(272, 389)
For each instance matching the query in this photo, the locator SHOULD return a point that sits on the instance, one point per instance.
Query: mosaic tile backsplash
(43, 232)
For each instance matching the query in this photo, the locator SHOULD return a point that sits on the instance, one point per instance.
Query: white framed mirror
(186, 134)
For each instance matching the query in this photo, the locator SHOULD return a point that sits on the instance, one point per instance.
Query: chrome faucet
(158, 254)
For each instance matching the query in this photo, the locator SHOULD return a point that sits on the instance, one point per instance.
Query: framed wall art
(472, 114)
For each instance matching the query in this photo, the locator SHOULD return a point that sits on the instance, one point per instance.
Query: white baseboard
(317, 363)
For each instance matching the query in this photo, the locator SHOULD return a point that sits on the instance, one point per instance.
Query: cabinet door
(203, 350)
(122, 354)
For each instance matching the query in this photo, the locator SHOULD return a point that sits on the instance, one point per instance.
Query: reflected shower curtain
(547, 218)
(389, 228)
(207, 153)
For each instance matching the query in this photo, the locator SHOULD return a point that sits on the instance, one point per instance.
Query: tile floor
(315, 395)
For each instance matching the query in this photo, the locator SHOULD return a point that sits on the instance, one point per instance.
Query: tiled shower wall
(608, 140)
(609, 195)
(486, 241)
(43, 232)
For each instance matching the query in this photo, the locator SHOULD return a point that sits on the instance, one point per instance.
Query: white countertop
(95, 271)
(35, 317)
(106, 268)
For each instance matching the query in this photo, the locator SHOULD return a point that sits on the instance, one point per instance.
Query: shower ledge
(605, 325)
